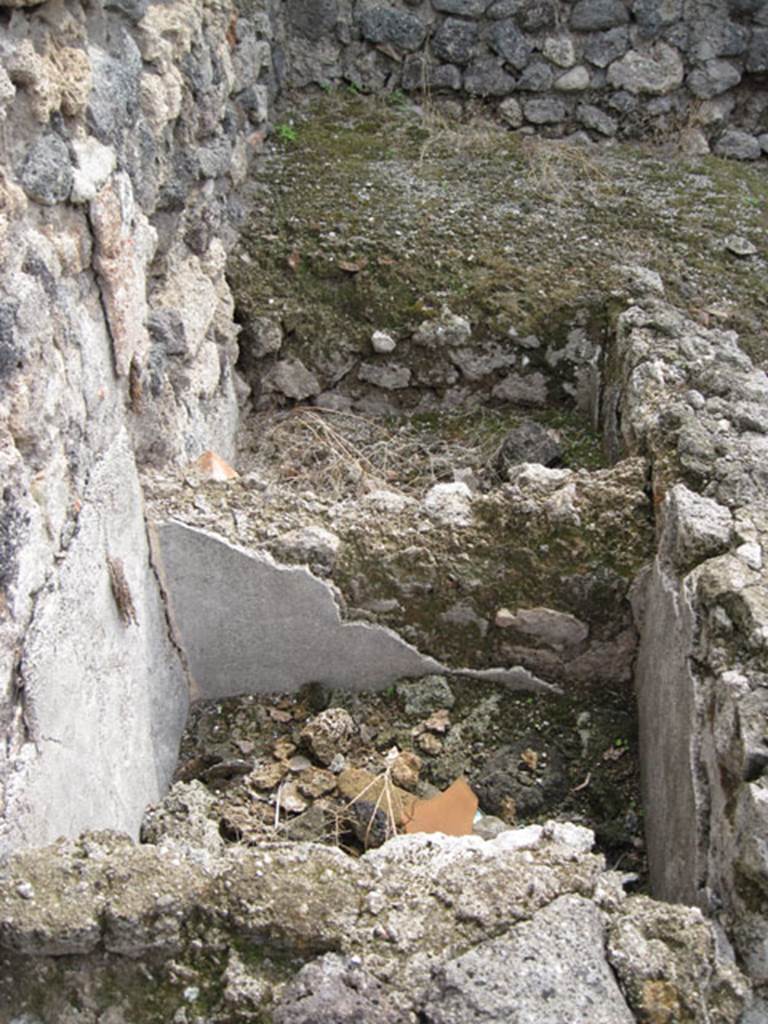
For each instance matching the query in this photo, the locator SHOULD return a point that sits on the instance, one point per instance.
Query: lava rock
(593, 15)
(455, 40)
(738, 145)
(47, 175)
(328, 733)
(528, 442)
(397, 28)
(602, 48)
(510, 43)
(520, 780)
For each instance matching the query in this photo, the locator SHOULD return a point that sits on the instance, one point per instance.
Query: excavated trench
(432, 563)
(439, 462)
(435, 445)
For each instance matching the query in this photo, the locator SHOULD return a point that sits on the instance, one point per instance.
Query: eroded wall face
(125, 129)
(702, 670)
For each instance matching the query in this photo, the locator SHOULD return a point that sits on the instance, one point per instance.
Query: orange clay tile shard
(210, 466)
(452, 811)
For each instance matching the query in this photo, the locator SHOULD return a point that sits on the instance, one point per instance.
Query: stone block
(598, 15)
(46, 174)
(455, 41)
(654, 72)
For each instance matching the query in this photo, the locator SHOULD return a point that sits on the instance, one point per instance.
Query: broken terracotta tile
(451, 812)
(210, 466)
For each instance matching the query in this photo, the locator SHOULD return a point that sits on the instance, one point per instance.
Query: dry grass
(561, 169)
(341, 454)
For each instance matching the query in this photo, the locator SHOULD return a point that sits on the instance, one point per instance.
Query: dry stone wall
(691, 399)
(604, 67)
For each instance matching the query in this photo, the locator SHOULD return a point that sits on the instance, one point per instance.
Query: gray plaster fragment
(249, 625)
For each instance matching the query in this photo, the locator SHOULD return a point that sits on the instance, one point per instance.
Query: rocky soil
(323, 765)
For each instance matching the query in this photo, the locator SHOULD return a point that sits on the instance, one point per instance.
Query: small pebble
(382, 342)
(25, 890)
(740, 246)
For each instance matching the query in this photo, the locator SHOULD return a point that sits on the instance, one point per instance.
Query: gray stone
(262, 336)
(383, 343)
(423, 696)
(478, 361)
(291, 378)
(714, 77)
(132, 9)
(737, 145)
(655, 15)
(510, 43)
(655, 72)
(763, 140)
(312, 19)
(602, 48)
(596, 119)
(46, 174)
(455, 40)
(757, 56)
(740, 246)
(388, 376)
(511, 113)
(537, 77)
(575, 80)
(695, 528)
(309, 545)
(255, 100)
(480, 986)
(113, 103)
(449, 503)
(523, 390)
(464, 8)
(528, 442)
(185, 817)
(446, 332)
(560, 51)
(418, 73)
(549, 111)
(531, 15)
(396, 28)
(597, 15)
(557, 630)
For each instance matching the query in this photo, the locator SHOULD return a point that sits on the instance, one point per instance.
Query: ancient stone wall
(605, 67)
(125, 129)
